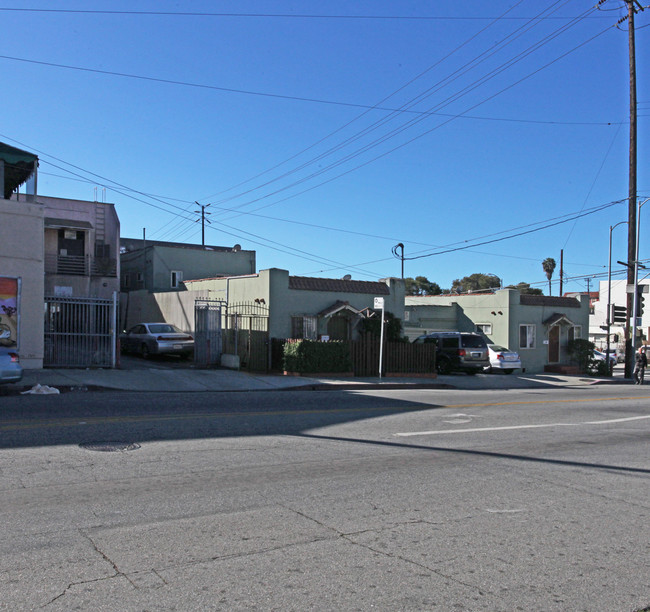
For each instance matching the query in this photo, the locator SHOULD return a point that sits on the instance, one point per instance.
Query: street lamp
(609, 293)
(400, 255)
(635, 308)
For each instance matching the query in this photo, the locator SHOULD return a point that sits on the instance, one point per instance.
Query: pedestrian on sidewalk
(641, 363)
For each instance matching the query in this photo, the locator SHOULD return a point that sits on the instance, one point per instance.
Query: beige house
(52, 249)
(81, 248)
(21, 258)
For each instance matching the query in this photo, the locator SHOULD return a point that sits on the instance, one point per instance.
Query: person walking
(640, 364)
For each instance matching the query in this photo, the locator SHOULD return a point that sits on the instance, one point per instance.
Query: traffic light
(639, 300)
(619, 314)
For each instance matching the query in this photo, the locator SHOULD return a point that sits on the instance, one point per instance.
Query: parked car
(600, 356)
(10, 369)
(149, 339)
(618, 355)
(458, 351)
(501, 359)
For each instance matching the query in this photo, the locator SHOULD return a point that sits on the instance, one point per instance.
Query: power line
(266, 15)
(393, 133)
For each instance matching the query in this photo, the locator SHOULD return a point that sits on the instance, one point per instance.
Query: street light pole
(635, 295)
(400, 256)
(608, 321)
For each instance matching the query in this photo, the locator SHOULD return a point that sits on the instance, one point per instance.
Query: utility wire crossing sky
(482, 138)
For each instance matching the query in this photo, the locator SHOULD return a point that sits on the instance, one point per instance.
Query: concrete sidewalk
(197, 380)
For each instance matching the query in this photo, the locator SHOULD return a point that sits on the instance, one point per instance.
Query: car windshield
(163, 328)
(498, 349)
(472, 342)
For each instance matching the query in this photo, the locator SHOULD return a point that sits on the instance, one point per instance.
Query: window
(526, 336)
(102, 250)
(575, 332)
(450, 342)
(304, 327)
(484, 328)
(176, 277)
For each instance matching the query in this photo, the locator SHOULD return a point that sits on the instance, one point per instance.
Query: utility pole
(632, 7)
(588, 281)
(561, 270)
(203, 220)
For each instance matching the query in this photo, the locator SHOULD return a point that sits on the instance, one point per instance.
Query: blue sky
(323, 134)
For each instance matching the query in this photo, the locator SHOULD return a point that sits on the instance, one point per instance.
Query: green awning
(19, 165)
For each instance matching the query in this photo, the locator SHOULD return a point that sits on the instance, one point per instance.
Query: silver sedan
(501, 359)
(149, 339)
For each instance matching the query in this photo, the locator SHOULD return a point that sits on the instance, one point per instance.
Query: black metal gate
(80, 332)
(207, 332)
(247, 335)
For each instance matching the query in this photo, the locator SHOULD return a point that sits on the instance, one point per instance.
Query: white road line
(477, 429)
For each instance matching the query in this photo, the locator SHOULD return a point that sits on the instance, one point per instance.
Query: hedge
(310, 357)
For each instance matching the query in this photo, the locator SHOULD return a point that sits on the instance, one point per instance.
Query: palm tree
(549, 267)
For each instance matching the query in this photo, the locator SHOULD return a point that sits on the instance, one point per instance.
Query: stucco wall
(105, 228)
(21, 256)
(504, 312)
(273, 287)
(193, 263)
(175, 307)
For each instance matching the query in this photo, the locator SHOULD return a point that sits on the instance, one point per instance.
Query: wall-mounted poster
(9, 304)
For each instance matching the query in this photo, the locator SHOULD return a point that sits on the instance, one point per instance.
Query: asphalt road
(391, 500)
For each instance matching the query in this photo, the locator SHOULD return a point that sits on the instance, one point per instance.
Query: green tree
(392, 330)
(549, 267)
(526, 289)
(476, 282)
(421, 285)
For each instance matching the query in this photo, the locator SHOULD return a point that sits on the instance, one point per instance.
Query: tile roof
(305, 283)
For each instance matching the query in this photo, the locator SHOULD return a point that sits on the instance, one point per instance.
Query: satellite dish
(236, 248)
(347, 277)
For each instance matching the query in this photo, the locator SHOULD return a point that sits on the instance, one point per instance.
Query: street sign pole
(379, 303)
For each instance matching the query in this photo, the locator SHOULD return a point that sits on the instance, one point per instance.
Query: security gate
(80, 332)
(207, 332)
(247, 335)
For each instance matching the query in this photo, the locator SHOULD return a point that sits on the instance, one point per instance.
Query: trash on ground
(41, 390)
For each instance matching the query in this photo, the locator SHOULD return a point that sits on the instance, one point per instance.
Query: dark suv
(458, 351)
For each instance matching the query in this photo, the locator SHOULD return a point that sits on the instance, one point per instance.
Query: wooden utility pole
(632, 7)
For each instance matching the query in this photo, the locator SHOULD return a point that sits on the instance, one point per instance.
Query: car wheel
(146, 353)
(443, 366)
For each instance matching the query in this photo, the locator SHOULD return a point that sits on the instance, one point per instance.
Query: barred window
(304, 327)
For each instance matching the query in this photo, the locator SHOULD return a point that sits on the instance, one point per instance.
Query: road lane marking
(511, 427)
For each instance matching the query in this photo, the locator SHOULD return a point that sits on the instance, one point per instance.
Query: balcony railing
(80, 265)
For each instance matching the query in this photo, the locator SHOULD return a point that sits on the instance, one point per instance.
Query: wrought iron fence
(80, 332)
(207, 332)
(246, 334)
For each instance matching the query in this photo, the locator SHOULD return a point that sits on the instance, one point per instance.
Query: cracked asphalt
(389, 500)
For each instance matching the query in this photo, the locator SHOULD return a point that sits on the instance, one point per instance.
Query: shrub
(581, 352)
(309, 357)
(392, 331)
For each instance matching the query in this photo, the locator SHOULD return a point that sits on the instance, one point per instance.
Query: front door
(338, 328)
(554, 344)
